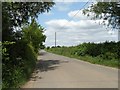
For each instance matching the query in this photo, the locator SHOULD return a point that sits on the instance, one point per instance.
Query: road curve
(56, 71)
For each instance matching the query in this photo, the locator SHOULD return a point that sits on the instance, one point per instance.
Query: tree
(19, 58)
(15, 14)
(33, 34)
(108, 11)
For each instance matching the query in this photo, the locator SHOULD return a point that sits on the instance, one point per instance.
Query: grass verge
(93, 60)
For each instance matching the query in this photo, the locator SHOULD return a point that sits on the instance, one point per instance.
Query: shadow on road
(35, 78)
(43, 66)
(46, 65)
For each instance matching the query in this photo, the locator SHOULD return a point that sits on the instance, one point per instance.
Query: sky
(72, 27)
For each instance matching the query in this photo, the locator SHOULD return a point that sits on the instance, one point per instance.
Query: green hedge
(107, 53)
(17, 63)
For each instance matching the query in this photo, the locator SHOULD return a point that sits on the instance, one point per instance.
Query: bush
(17, 64)
(30, 60)
(48, 48)
(106, 53)
(108, 56)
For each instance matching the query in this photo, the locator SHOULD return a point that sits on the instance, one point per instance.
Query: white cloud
(76, 32)
(78, 14)
(57, 23)
(65, 24)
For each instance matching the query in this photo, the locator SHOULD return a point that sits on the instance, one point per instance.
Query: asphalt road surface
(56, 71)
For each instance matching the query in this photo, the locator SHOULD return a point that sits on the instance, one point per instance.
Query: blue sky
(78, 30)
(60, 11)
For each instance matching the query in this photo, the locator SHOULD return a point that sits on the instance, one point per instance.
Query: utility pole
(118, 34)
(55, 39)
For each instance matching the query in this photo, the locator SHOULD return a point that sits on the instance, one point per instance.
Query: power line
(79, 10)
(76, 13)
(72, 18)
(55, 39)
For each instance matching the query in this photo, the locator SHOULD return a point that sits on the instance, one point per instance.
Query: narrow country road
(55, 71)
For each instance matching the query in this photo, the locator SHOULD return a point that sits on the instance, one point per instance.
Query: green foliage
(91, 49)
(106, 53)
(33, 34)
(108, 11)
(30, 60)
(19, 58)
(48, 48)
(15, 14)
(17, 64)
